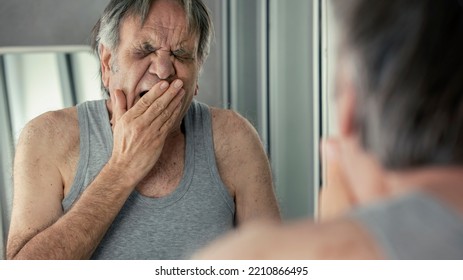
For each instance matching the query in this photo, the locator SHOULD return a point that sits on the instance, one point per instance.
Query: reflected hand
(336, 196)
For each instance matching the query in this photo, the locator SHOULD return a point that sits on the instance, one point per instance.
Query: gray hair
(106, 30)
(409, 109)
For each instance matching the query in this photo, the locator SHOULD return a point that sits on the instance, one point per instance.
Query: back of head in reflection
(395, 170)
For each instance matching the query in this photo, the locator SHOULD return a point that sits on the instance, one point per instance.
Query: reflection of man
(400, 109)
(148, 173)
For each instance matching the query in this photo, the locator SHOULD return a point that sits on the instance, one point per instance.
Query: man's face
(161, 49)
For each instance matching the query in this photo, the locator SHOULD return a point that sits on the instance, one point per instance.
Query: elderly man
(148, 173)
(400, 110)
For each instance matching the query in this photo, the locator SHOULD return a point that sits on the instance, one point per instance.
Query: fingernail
(164, 85)
(178, 84)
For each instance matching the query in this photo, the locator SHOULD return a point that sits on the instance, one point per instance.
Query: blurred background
(271, 61)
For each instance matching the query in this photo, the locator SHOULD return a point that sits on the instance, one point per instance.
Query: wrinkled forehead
(164, 18)
(157, 35)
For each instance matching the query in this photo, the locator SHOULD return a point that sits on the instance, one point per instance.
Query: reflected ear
(105, 62)
(346, 110)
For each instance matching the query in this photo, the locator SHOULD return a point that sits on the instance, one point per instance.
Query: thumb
(330, 150)
(120, 106)
(335, 196)
(330, 158)
(331, 161)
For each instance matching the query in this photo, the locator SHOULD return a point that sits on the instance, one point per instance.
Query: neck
(431, 178)
(444, 183)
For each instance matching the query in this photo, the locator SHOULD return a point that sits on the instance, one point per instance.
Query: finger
(120, 106)
(160, 105)
(335, 197)
(330, 153)
(170, 122)
(148, 99)
(165, 121)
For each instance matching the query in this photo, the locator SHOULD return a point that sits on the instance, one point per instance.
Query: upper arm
(244, 166)
(38, 184)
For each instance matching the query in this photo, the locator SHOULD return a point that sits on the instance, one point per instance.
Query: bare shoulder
(51, 139)
(51, 131)
(233, 133)
(225, 120)
(305, 239)
(342, 238)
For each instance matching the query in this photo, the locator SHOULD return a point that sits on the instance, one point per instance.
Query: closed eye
(145, 49)
(182, 54)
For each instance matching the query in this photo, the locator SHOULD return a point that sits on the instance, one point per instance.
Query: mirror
(32, 82)
(36, 82)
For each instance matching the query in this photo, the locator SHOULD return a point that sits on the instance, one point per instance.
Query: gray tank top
(414, 227)
(172, 227)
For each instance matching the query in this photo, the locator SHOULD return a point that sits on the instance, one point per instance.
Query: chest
(173, 227)
(162, 180)
(166, 174)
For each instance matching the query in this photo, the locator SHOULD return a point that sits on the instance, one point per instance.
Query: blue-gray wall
(48, 22)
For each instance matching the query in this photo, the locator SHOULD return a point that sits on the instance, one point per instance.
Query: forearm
(78, 232)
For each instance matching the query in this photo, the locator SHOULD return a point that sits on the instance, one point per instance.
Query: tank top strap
(96, 140)
(199, 121)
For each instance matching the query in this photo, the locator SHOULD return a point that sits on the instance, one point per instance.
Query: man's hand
(335, 196)
(140, 132)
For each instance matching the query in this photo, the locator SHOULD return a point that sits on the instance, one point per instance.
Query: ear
(196, 89)
(105, 63)
(346, 103)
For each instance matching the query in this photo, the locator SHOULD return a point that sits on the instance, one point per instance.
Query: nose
(162, 65)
